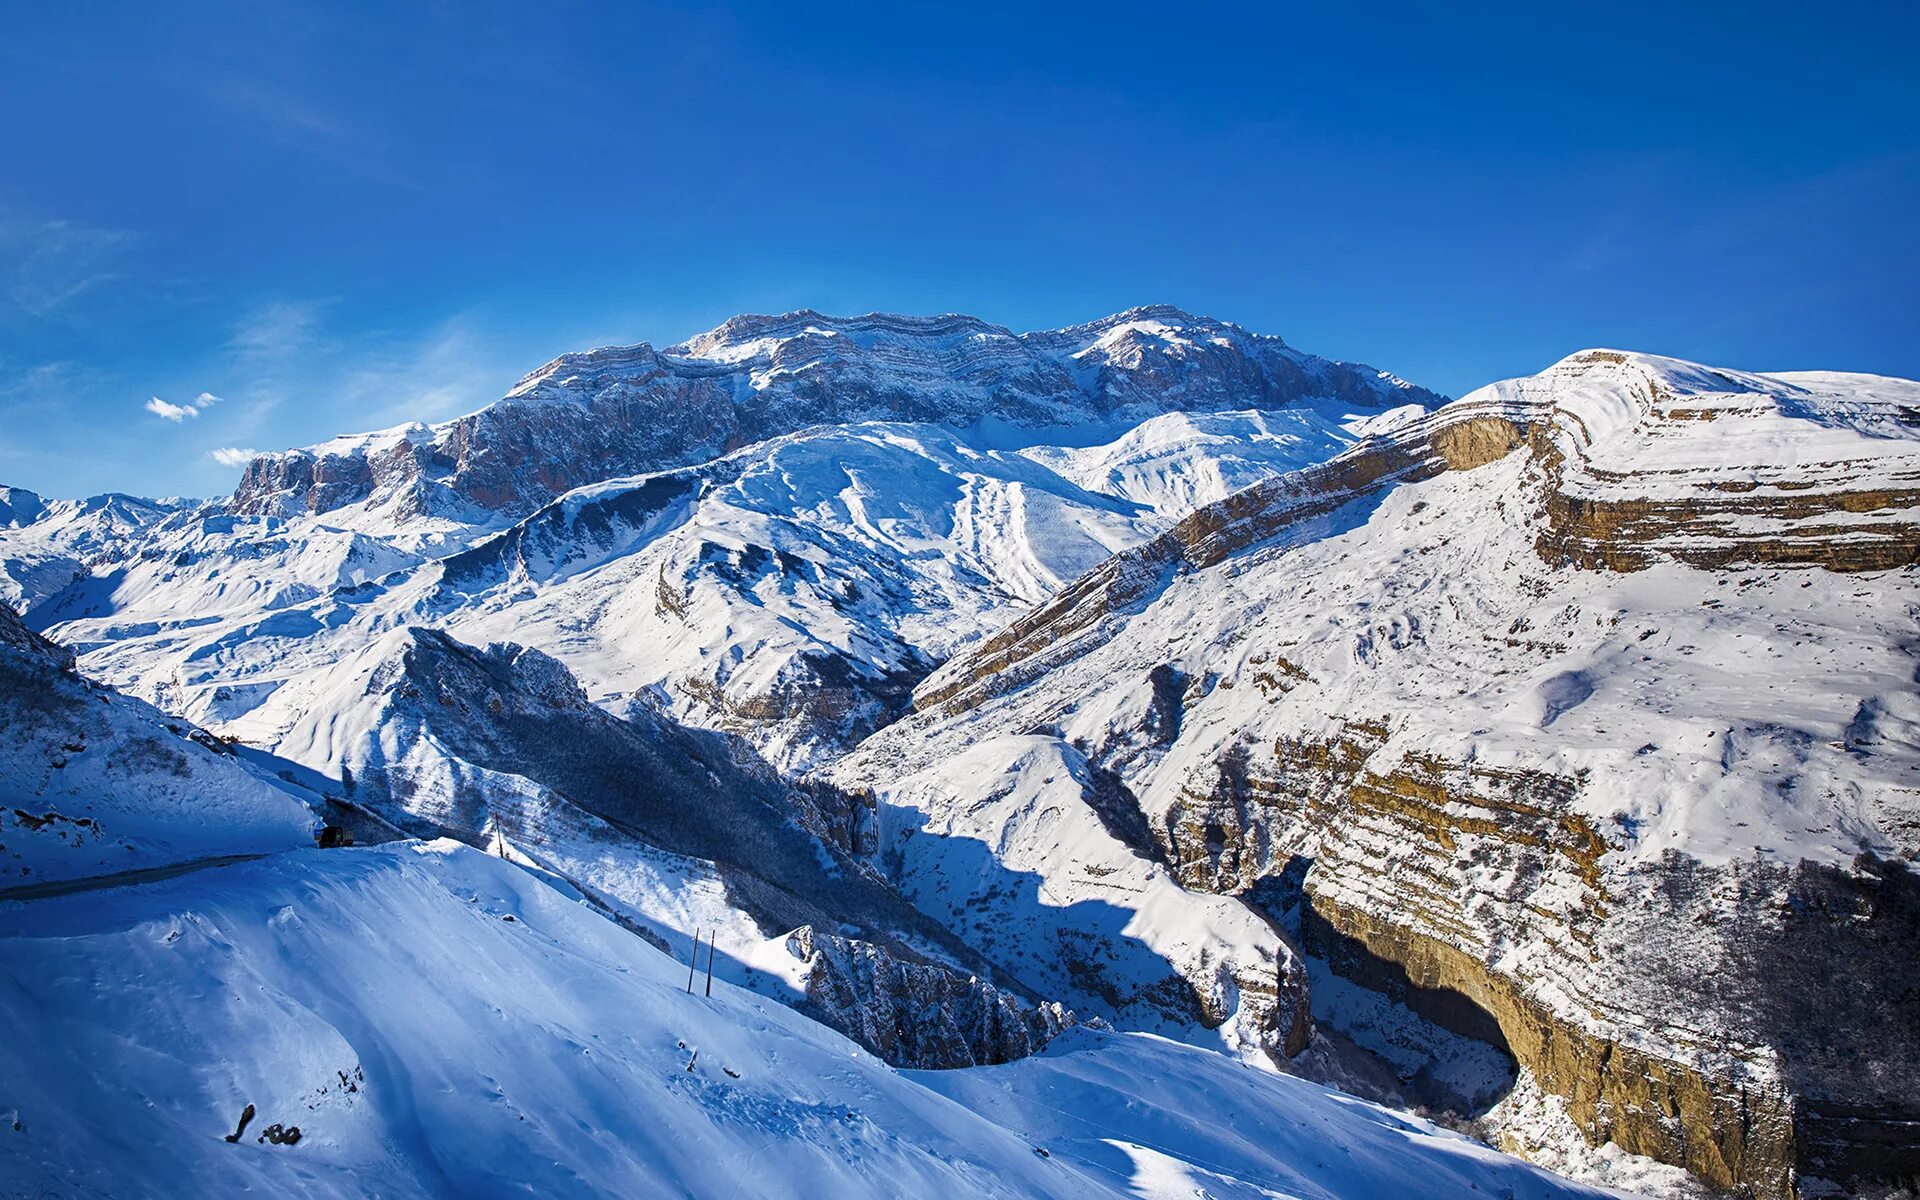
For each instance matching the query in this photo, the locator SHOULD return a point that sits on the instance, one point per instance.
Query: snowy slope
(439, 1023)
(94, 783)
(1542, 696)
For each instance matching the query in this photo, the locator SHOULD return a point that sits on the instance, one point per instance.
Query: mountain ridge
(637, 408)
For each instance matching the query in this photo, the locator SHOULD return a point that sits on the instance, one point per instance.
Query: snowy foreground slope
(1579, 714)
(439, 1023)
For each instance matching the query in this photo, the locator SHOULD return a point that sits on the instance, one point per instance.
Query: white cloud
(205, 400)
(171, 412)
(233, 456)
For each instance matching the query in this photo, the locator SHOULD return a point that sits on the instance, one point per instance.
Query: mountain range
(1541, 760)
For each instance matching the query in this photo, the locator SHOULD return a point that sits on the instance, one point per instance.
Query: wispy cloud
(233, 456)
(276, 330)
(284, 117)
(170, 412)
(46, 265)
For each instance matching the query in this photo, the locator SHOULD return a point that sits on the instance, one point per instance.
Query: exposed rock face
(915, 1014)
(622, 411)
(1521, 702)
(16, 636)
(1669, 492)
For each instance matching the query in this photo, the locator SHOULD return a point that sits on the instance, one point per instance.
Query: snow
(900, 544)
(94, 783)
(999, 845)
(437, 1022)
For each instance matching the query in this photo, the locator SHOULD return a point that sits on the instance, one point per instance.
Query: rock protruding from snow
(915, 1013)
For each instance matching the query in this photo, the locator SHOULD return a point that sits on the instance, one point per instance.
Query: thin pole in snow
(709, 968)
(691, 961)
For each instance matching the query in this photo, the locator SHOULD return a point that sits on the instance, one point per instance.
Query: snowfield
(439, 1023)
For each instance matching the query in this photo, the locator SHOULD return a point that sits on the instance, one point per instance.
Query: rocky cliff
(1577, 715)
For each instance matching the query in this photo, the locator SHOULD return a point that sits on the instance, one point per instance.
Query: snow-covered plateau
(1069, 751)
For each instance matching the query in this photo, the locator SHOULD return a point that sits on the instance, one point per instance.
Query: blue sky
(282, 223)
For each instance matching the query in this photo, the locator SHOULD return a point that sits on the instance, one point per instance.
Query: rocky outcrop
(1845, 508)
(621, 411)
(914, 1014)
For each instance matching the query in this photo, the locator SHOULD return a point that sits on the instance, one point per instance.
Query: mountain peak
(760, 376)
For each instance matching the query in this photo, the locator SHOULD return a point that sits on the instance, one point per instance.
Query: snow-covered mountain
(1579, 715)
(794, 590)
(1550, 749)
(633, 410)
(47, 546)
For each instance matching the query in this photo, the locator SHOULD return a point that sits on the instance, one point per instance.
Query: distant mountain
(630, 410)
(45, 546)
(793, 590)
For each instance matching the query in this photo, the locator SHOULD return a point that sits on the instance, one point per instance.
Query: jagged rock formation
(916, 1014)
(1523, 703)
(626, 410)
